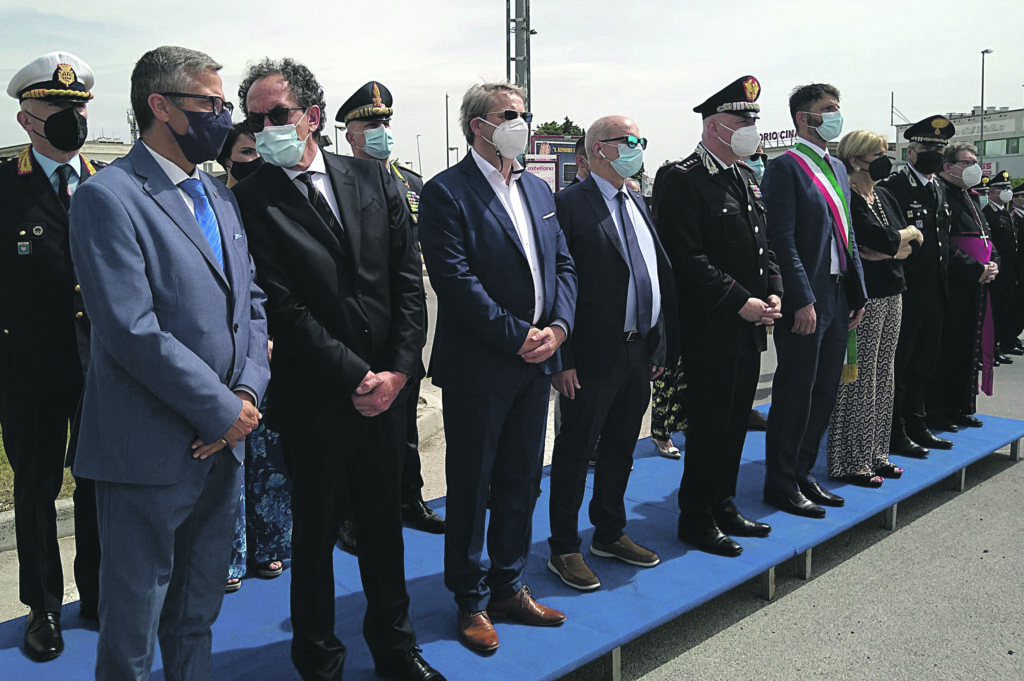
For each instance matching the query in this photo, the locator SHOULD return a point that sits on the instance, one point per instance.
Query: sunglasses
(278, 116)
(217, 104)
(631, 141)
(512, 114)
(763, 157)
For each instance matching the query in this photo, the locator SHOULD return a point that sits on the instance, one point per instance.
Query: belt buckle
(837, 278)
(631, 336)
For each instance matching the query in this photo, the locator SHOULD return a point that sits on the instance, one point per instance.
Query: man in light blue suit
(506, 296)
(807, 193)
(179, 363)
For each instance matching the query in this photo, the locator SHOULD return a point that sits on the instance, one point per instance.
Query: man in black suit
(331, 239)
(1004, 238)
(44, 340)
(619, 346)
(711, 219)
(922, 199)
(367, 118)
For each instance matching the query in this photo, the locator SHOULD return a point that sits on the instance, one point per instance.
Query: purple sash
(981, 250)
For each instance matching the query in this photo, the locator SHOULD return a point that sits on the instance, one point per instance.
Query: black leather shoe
(421, 517)
(1003, 359)
(409, 667)
(347, 537)
(1014, 351)
(907, 447)
(736, 525)
(43, 641)
(926, 438)
(815, 493)
(969, 421)
(941, 423)
(794, 502)
(709, 539)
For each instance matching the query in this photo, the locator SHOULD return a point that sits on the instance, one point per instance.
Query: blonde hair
(860, 143)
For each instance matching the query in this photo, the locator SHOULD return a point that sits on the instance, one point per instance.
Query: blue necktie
(205, 217)
(638, 269)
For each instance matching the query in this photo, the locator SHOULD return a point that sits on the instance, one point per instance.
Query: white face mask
(1006, 195)
(509, 138)
(971, 175)
(744, 140)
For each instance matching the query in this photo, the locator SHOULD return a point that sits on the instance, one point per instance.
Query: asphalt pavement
(941, 597)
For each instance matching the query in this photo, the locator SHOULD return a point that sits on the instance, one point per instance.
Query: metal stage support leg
(803, 564)
(767, 584)
(958, 481)
(612, 663)
(1015, 450)
(889, 521)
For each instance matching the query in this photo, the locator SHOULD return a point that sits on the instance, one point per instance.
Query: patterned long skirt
(667, 401)
(858, 432)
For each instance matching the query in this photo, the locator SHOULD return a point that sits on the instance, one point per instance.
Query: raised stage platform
(251, 638)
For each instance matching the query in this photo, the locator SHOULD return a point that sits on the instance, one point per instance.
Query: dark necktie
(638, 270)
(205, 217)
(64, 189)
(321, 205)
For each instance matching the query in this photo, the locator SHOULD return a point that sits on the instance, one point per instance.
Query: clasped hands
(990, 273)
(247, 421)
(540, 344)
(762, 313)
(376, 393)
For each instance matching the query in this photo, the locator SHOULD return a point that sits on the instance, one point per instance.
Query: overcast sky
(649, 60)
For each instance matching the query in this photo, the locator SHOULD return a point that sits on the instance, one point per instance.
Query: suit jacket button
(6, 332)
(235, 328)
(78, 287)
(756, 230)
(79, 315)
(760, 251)
(530, 312)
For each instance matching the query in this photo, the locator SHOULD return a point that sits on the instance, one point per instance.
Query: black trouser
(412, 477)
(723, 389)
(608, 409)
(917, 355)
(331, 452)
(35, 434)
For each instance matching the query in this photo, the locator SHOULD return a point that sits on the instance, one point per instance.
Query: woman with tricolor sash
(858, 436)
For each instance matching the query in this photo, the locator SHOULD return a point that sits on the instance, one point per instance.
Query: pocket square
(549, 215)
(239, 236)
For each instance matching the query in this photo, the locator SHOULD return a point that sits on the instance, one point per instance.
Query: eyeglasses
(965, 162)
(632, 141)
(762, 157)
(512, 114)
(278, 116)
(217, 104)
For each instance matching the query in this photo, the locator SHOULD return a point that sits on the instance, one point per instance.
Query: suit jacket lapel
(295, 205)
(347, 196)
(49, 201)
(604, 219)
(156, 183)
(483, 188)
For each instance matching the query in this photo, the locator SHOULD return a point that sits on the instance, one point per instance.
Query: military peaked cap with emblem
(1000, 180)
(983, 185)
(931, 130)
(1019, 189)
(55, 77)
(372, 102)
(738, 97)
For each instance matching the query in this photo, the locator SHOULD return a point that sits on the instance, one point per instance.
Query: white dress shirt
(321, 180)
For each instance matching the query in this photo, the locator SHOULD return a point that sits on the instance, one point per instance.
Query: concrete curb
(429, 421)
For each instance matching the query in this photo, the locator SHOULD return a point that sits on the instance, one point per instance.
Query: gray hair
(477, 102)
(949, 154)
(303, 85)
(165, 69)
(598, 131)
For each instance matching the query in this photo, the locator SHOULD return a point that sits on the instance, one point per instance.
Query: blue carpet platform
(251, 638)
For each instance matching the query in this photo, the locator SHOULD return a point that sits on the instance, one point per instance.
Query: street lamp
(981, 144)
(419, 159)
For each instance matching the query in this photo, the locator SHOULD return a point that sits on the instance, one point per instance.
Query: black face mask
(928, 162)
(205, 135)
(65, 130)
(243, 169)
(880, 168)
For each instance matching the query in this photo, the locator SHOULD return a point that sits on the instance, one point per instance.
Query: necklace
(875, 206)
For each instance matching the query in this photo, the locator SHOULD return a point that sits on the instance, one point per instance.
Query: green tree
(566, 127)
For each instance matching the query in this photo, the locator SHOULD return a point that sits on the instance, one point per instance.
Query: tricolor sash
(820, 172)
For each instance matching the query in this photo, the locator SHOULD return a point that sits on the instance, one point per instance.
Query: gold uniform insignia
(65, 74)
(377, 100)
(938, 124)
(751, 88)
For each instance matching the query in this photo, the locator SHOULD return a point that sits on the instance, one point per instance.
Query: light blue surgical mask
(757, 165)
(280, 145)
(984, 201)
(379, 142)
(831, 125)
(629, 162)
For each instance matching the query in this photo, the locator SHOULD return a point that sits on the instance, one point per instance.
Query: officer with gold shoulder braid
(1004, 238)
(367, 118)
(44, 338)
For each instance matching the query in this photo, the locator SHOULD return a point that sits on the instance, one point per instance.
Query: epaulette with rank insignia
(406, 169)
(688, 163)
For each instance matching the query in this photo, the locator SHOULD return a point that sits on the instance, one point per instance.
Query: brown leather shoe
(523, 608)
(476, 631)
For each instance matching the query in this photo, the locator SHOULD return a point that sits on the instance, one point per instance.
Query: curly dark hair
(804, 96)
(301, 82)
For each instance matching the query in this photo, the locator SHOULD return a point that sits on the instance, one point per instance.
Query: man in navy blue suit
(807, 194)
(506, 292)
